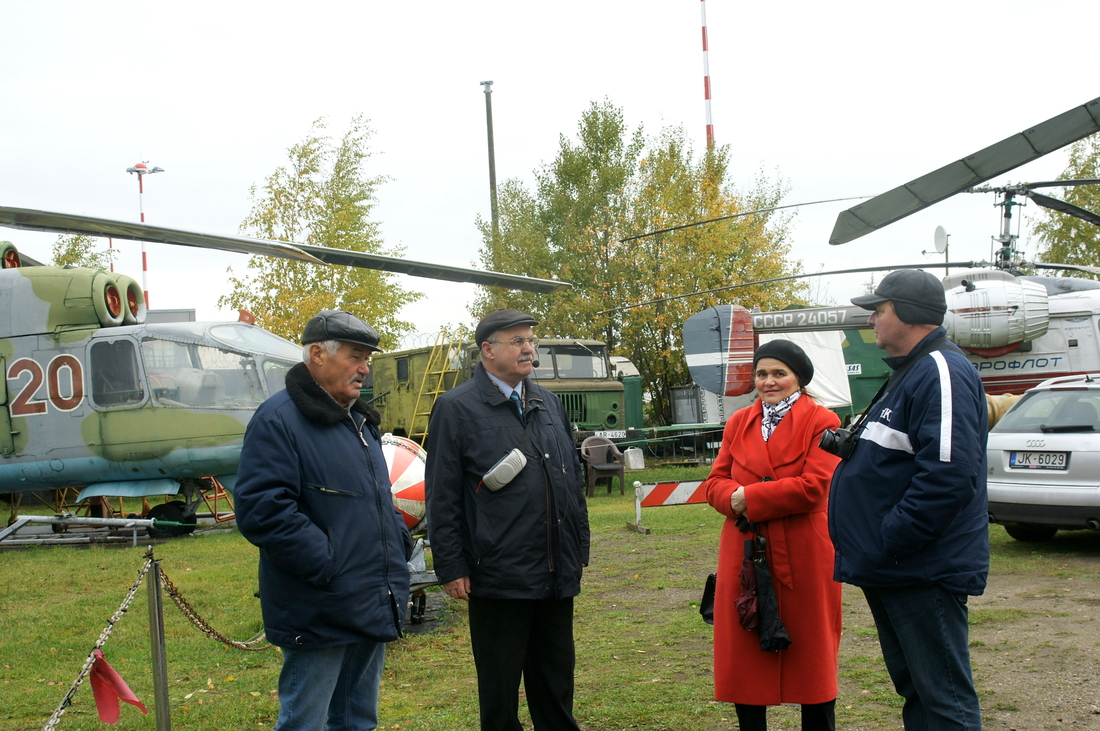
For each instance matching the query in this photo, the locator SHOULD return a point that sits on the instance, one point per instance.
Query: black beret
(918, 297)
(791, 355)
(501, 320)
(339, 325)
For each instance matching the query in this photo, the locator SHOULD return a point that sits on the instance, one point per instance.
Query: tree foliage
(79, 250)
(610, 183)
(322, 197)
(1067, 239)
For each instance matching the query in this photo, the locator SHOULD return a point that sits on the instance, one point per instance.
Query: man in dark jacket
(313, 493)
(513, 545)
(907, 511)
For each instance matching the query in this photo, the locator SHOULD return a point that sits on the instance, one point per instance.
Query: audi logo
(1036, 442)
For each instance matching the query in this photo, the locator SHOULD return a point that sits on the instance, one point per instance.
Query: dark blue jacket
(909, 508)
(528, 540)
(313, 493)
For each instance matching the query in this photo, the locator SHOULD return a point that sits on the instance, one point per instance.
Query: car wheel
(1030, 533)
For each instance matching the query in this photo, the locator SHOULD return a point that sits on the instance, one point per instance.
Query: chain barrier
(184, 606)
(201, 624)
(106, 633)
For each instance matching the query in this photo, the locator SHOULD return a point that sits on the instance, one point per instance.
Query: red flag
(108, 688)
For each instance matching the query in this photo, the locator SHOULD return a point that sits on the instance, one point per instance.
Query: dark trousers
(528, 637)
(815, 716)
(925, 642)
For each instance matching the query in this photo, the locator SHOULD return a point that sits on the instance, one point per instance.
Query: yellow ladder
(444, 360)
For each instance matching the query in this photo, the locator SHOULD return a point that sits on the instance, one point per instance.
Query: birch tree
(323, 197)
(608, 184)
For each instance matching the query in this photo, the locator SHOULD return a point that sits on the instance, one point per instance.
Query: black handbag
(706, 604)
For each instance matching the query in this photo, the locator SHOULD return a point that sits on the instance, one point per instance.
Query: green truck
(407, 382)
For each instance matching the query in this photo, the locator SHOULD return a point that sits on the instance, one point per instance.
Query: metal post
(156, 642)
(492, 157)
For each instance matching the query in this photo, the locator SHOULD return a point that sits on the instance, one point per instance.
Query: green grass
(643, 653)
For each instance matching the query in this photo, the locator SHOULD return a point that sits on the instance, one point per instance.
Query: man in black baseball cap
(908, 512)
(917, 296)
(908, 305)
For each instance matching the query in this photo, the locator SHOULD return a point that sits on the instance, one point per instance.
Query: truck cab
(407, 382)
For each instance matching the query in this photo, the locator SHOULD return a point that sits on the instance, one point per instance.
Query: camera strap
(939, 343)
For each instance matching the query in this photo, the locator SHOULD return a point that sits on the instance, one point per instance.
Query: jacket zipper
(382, 523)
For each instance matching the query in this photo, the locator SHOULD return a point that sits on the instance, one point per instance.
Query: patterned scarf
(772, 414)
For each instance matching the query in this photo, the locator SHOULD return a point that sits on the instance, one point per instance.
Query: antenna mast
(706, 77)
(142, 170)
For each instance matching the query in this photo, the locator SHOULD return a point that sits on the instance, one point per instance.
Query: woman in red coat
(771, 471)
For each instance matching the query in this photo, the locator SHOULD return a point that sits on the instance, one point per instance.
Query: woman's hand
(737, 501)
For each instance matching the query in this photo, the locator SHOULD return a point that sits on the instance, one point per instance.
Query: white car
(1044, 460)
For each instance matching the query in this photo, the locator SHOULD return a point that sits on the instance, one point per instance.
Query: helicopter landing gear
(177, 512)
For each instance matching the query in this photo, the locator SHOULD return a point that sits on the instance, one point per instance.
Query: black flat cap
(501, 320)
(339, 325)
(918, 297)
(789, 354)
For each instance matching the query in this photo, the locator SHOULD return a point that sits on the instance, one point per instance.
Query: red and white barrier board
(658, 494)
(654, 494)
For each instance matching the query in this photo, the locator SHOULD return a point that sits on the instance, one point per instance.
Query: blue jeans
(338, 684)
(924, 638)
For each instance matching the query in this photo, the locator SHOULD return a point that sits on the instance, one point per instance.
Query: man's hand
(737, 501)
(458, 589)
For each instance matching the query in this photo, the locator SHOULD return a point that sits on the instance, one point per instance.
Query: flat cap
(339, 325)
(918, 297)
(789, 354)
(501, 320)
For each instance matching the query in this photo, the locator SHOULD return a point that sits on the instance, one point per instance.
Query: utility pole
(141, 169)
(492, 157)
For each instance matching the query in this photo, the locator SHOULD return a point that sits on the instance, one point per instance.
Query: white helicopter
(1018, 330)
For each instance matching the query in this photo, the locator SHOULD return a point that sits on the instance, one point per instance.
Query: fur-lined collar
(315, 402)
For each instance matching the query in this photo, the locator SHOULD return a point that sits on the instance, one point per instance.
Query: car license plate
(1038, 460)
(612, 434)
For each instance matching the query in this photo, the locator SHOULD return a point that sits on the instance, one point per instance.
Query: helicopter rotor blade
(1071, 267)
(940, 265)
(968, 172)
(63, 223)
(1062, 207)
(741, 215)
(1060, 183)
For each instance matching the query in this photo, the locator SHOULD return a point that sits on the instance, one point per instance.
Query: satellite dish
(941, 240)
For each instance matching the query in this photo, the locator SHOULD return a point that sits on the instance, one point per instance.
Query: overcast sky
(838, 99)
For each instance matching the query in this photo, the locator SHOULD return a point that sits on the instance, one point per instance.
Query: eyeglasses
(517, 342)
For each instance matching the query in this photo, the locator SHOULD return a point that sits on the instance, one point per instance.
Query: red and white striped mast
(706, 76)
(142, 170)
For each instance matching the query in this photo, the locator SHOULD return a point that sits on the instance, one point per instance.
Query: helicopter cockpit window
(580, 361)
(116, 380)
(184, 375)
(247, 337)
(275, 375)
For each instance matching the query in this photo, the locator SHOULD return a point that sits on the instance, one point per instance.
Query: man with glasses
(509, 525)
